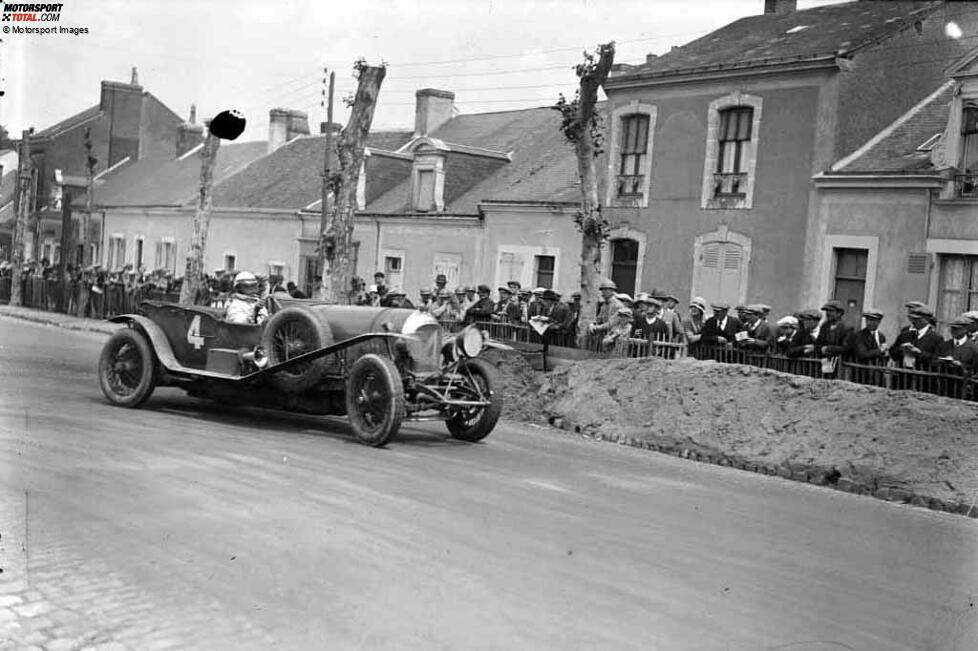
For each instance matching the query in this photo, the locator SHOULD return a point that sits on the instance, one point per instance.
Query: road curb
(78, 327)
(830, 478)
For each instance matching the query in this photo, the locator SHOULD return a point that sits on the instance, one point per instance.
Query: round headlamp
(471, 342)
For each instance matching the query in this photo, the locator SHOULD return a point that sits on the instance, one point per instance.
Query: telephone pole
(327, 159)
(90, 163)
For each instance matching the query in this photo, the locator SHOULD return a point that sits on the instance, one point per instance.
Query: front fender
(157, 338)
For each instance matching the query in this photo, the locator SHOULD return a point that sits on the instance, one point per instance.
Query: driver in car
(246, 306)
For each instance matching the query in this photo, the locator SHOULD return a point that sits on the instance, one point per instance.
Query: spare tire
(292, 332)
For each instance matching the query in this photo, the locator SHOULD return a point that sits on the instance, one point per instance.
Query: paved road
(185, 525)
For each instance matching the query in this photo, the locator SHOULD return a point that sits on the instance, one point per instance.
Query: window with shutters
(510, 267)
(957, 286)
(720, 266)
(966, 183)
(731, 152)
(166, 255)
(116, 253)
(545, 271)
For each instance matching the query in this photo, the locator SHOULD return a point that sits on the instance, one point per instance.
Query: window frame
(743, 199)
(616, 152)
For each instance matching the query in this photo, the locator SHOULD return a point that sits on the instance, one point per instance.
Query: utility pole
(327, 159)
(24, 178)
(90, 164)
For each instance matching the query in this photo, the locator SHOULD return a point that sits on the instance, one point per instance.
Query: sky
(253, 55)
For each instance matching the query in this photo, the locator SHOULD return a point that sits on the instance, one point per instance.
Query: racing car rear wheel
(126, 368)
(292, 332)
(374, 400)
(475, 423)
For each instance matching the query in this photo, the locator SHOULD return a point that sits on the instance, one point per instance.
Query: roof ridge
(889, 129)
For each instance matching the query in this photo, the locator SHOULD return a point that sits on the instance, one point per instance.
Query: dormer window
(428, 176)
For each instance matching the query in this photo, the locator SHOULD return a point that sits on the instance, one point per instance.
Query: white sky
(255, 55)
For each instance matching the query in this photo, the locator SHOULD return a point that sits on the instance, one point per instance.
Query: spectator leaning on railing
(869, 344)
(959, 352)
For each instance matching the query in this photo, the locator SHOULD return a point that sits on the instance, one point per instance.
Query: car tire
(475, 423)
(127, 368)
(292, 332)
(375, 402)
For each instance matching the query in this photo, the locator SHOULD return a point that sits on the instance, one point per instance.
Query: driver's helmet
(245, 279)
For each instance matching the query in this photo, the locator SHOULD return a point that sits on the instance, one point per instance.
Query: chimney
(284, 125)
(433, 108)
(334, 127)
(135, 77)
(122, 105)
(780, 7)
(189, 134)
(649, 58)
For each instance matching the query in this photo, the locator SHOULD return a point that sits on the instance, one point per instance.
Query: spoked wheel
(290, 333)
(475, 423)
(374, 400)
(126, 369)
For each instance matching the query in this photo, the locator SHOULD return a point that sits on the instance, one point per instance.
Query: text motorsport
(31, 13)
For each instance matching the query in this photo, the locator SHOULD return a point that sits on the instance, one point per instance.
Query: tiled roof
(8, 186)
(896, 150)
(543, 166)
(71, 122)
(291, 176)
(822, 31)
(170, 182)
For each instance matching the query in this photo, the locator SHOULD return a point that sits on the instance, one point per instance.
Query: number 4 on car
(377, 366)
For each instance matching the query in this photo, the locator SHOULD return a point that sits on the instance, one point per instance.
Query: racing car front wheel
(126, 369)
(478, 383)
(374, 400)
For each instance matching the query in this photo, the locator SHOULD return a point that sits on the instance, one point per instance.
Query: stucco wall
(776, 225)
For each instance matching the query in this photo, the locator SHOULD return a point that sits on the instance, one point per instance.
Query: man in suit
(918, 346)
(802, 342)
(760, 337)
(482, 309)
(647, 322)
(720, 329)
(833, 336)
(607, 308)
(960, 352)
(869, 344)
(507, 309)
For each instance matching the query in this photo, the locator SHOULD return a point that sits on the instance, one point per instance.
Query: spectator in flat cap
(721, 328)
(918, 346)
(833, 336)
(444, 307)
(760, 337)
(869, 344)
(381, 282)
(959, 351)
(426, 300)
(441, 282)
(973, 328)
(514, 287)
(620, 329)
(787, 327)
(483, 309)
(802, 342)
(463, 301)
(560, 315)
(574, 305)
(397, 298)
(507, 308)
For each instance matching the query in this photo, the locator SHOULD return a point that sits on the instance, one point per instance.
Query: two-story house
(909, 198)
(712, 146)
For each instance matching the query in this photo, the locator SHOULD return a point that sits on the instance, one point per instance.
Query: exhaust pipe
(256, 357)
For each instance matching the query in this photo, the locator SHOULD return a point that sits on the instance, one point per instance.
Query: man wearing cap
(760, 337)
(919, 345)
(523, 302)
(721, 328)
(482, 309)
(574, 305)
(514, 287)
(670, 316)
(973, 328)
(440, 282)
(397, 298)
(557, 313)
(803, 341)
(959, 351)
(608, 306)
(426, 302)
(381, 281)
(787, 327)
(507, 310)
(869, 344)
(619, 330)
(833, 336)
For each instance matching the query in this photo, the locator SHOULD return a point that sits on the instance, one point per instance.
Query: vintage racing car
(378, 366)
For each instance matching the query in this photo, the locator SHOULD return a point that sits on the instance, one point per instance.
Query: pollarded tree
(581, 126)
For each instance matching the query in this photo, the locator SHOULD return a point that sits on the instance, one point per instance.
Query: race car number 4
(193, 334)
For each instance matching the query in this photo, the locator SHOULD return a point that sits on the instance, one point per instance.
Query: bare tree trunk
(66, 244)
(20, 224)
(194, 273)
(592, 224)
(336, 240)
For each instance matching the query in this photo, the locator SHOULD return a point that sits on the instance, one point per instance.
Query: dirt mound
(520, 385)
(878, 438)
